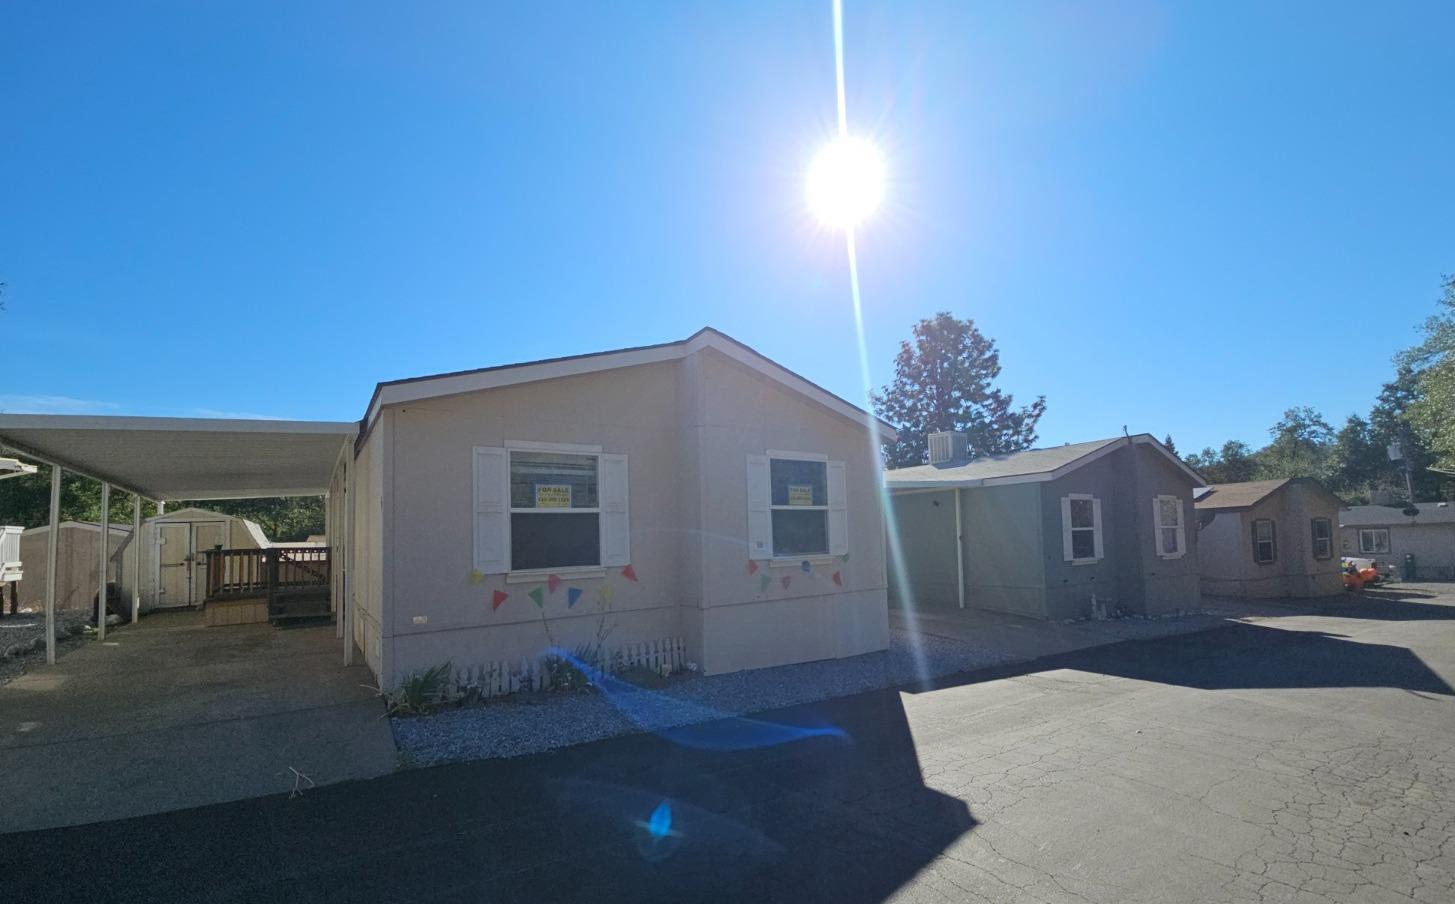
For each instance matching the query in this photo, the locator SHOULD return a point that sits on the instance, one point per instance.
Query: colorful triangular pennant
(497, 598)
(763, 583)
(552, 583)
(787, 578)
(539, 596)
(752, 566)
(476, 576)
(604, 591)
(572, 595)
(838, 579)
(629, 573)
(807, 566)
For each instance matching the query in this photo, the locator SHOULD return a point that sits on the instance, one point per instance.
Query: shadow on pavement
(824, 818)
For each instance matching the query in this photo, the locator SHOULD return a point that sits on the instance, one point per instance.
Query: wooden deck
(294, 581)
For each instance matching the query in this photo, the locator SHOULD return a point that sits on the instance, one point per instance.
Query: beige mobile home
(692, 490)
(1269, 538)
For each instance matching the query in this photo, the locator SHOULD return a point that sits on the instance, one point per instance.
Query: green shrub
(420, 693)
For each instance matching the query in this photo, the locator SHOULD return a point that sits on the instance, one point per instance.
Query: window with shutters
(1323, 536)
(540, 507)
(1081, 529)
(1171, 538)
(1265, 542)
(797, 507)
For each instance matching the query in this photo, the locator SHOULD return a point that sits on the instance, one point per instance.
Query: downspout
(959, 553)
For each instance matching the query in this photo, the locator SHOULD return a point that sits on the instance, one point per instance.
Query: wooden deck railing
(275, 572)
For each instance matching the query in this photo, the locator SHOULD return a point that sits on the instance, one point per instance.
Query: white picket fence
(498, 679)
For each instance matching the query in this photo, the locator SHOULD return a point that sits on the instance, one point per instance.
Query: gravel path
(530, 724)
(22, 639)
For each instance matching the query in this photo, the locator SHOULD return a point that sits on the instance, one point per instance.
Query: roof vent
(949, 447)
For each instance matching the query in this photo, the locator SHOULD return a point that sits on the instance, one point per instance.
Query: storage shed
(174, 547)
(76, 562)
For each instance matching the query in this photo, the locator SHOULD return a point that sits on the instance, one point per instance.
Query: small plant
(420, 693)
(563, 673)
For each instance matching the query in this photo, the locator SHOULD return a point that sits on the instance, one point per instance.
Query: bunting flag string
(497, 598)
(476, 576)
(763, 583)
(807, 566)
(752, 566)
(539, 596)
(787, 578)
(572, 595)
(604, 591)
(629, 573)
(838, 579)
(552, 583)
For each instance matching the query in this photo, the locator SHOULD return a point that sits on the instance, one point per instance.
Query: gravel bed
(22, 639)
(527, 724)
(531, 724)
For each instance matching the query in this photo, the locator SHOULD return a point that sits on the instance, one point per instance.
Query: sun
(845, 182)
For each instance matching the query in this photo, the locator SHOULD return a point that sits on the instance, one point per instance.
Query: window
(554, 518)
(1265, 541)
(1171, 536)
(1375, 540)
(800, 505)
(541, 507)
(1323, 534)
(796, 506)
(1081, 529)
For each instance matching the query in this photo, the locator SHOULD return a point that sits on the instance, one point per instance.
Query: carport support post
(101, 560)
(959, 553)
(135, 557)
(50, 567)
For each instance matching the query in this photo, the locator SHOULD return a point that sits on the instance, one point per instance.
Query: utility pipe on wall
(959, 553)
(135, 557)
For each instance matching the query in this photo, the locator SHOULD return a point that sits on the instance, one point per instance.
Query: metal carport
(171, 459)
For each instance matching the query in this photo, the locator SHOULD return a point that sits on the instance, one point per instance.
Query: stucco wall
(1433, 546)
(926, 573)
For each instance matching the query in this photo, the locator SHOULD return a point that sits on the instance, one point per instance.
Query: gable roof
(412, 389)
(1381, 515)
(1032, 465)
(1227, 497)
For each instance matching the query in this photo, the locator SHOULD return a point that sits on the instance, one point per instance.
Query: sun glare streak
(891, 530)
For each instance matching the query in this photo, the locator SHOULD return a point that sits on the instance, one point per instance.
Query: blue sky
(1179, 217)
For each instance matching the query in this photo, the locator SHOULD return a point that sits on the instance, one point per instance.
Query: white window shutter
(1181, 530)
(492, 510)
(1066, 547)
(615, 512)
(760, 523)
(838, 509)
(1096, 522)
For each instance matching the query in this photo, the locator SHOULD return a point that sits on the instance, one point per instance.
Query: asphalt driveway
(1309, 757)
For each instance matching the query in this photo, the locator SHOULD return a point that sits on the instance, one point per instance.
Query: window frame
(1158, 527)
(1069, 529)
(535, 574)
(1272, 541)
(1328, 539)
(794, 559)
(1372, 531)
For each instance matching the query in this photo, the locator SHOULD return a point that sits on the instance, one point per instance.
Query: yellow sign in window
(800, 494)
(553, 495)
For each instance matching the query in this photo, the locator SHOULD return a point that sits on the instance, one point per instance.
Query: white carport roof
(185, 458)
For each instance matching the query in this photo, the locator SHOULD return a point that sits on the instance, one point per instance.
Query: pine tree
(943, 380)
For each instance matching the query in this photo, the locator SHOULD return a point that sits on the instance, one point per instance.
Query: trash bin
(1409, 566)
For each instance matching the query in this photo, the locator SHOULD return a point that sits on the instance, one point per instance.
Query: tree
(1233, 463)
(1171, 446)
(943, 380)
(1432, 413)
(1302, 441)
(1357, 462)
